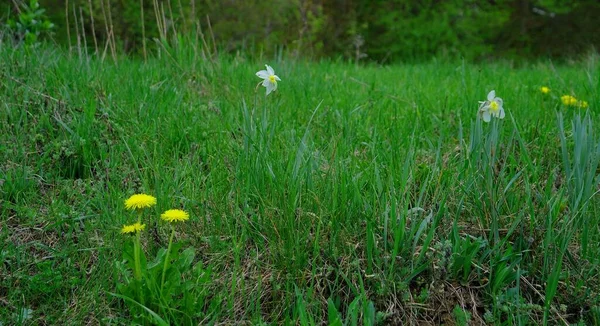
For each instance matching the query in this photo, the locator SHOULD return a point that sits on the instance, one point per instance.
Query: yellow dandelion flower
(568, 100)
(175, 215)
(139, 201)
(133, 228)
(544, 89)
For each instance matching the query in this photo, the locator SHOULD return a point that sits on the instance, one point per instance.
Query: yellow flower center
(494, 106)
(272, 79)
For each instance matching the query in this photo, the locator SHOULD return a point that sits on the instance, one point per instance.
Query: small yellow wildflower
(582, 104)
(139, 201)
(174, 215)
(568, 100)
(545, 89)
(133, 228)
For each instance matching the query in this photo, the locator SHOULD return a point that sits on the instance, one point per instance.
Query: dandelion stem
(136, 256)
(137, 264)
(136, 251)
(162, 281)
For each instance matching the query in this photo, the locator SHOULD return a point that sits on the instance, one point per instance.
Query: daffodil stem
(164, 272)
(490, 185)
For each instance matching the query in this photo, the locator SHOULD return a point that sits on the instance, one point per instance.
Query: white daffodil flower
(491, 107)
(270, 79)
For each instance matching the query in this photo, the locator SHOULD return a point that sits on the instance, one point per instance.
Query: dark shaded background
(383, 31)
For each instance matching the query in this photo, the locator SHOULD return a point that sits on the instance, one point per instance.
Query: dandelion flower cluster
(269, 79)
(174, 215)
(544, 90)
(570, 100)
(491, 107)
(140, 201)
(133, 228)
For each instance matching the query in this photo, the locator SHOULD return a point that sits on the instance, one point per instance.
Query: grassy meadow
(352, 195)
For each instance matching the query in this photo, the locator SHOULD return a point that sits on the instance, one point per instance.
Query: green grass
(350, 195)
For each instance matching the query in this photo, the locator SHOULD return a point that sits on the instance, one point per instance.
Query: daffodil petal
(501, 113)
(270, 87)
(276, 78)
(491, 95)
(270, 70)
(486, 116)
(263, 74)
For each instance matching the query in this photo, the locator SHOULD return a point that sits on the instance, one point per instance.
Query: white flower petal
(491, 95)
(276, 78)
(270, 87)
(266, 82)
(486, 116)
(263, 74)
(499, 101)
(501, 113)
(270, 70)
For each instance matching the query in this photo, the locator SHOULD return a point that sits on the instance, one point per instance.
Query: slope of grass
(350, 195)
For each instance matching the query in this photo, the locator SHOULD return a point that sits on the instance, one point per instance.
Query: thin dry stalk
(303, 6)
(172, 22)
(77, 32)
(106, 46)
(212, 36)
(205, 47)
(182, 17)
(68, 26)
(159, 20)
(83, 33)
(193, 11)
(164, 19)
(33, 90)
(93, 26)
(108, 40)
(197, 37)
(112, 33)
(143, 30)
(16, 6)
(162, 45)
(192, 20)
